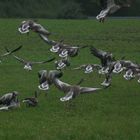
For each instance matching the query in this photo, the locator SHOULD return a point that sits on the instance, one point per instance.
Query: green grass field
(111, 114)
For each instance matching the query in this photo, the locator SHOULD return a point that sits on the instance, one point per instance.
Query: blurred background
(59, 9)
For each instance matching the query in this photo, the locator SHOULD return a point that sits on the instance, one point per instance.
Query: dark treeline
(58, 9)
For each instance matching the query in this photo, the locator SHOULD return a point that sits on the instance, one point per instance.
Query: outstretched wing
(42, 62)
(80, 67)
(10, 52)
(98, 53)
(62, 86)
(88, 90)
(19, 59)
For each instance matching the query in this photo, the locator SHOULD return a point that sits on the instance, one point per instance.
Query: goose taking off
(31, 101)
(52, 77)
(110, 7)
(9, 101)
(105, 57)
(28, 64)
(88, 68)
(32, 25)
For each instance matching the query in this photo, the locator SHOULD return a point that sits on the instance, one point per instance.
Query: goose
(88, 68)
(28, 64)
(121, 65)
(9, 101)
(62, 63)
(32, 25)
(132, 72)
(105, 57)
(109, 7)
(52, 77)
(31, 101)
(10, 52)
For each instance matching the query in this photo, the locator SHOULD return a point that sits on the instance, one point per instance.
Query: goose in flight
(28, 64)
(71, 91)
(32, 25)
(9, 101)
(63, 50)
(88, 68)
(110, 7)
(105, 57)
(31, 101)
(62, 63)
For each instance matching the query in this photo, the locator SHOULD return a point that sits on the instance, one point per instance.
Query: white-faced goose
(28, 64)
(62, 63)
(32, 25)
(9, 101)
(31, 101)
(110, 7)
(52, 77)
(88, 68)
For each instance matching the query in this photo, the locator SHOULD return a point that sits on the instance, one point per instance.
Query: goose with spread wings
(105, 57)
(48, 78)
(28, 25)
(28, 64)
(88, 68)
(110, 7)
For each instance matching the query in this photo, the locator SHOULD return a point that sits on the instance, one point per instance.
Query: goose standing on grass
(35, 27)
(71, 91)
(88, 68)
(105, 57)
(110, 7)
(62, 63)
(31, 101)
(9, 101)
(28, 64)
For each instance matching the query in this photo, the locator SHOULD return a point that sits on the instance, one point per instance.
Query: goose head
(118, 68)
(55, 48)
(63, 53)
(128, 75)
(46, 78)
(24, 27)
(88, 69)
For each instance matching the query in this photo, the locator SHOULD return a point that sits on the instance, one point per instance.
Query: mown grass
(111, 114)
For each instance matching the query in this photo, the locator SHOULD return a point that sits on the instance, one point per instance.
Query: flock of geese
(108, 66)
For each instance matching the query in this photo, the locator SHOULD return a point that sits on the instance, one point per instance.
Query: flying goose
(88, 68)
(28, 64)
(32, 25)
(132, 71)
(52, 77)
(9, 101)
(10, 52)
(31, 101)
(105, 57)
(62, 63)
(109, 7)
